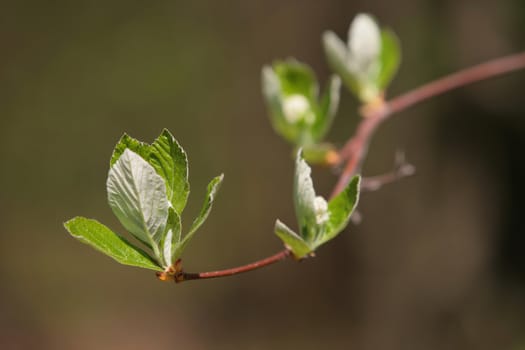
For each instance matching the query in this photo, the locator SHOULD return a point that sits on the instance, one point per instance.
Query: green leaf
(318, 221)
(328, 108)
(271, 89)
(304, 200)
(101, 238)
(336, 54)
(171, 237)
(171, 163)
(390, 58)
(292, 240)
(128, 142)
(296, 78)
(340, 209)
(137, 196)
(168, 159)
(369, 60)
(291, 92)
(213, 187)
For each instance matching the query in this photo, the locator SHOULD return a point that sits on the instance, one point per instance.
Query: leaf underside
(168, 159)
(137, 196)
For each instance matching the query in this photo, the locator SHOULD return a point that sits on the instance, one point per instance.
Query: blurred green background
(437, 262)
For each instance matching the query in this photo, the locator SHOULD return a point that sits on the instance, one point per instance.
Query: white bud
(321, 210)
(364, 42)
(297, 107)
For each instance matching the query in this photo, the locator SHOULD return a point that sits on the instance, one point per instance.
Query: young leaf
(292, 240)
(304, 200)
(390, 58)
(271, 89)
(292, 95)
(290, 109)
(319, 221)
(171, 237)
(213, 187)
(296, 78)
(168, 159)
(101, 238)
(340, 209)
(369, 60)
(171, 163)
(328, 108)
(336, 55)
(137, 196)
(128, 142)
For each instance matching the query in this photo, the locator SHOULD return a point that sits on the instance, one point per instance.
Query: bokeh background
(437, 262)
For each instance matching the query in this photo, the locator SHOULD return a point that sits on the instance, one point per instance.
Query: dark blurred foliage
(437, 262)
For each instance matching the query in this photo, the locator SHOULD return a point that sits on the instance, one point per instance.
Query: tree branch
(483, 71)
(355, 150)
(187, 276)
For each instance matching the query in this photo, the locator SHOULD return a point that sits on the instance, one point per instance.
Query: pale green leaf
(291, 90)
(292, 240)
(296, 78)
(337, 56)
(211, 193)
(137, 196)
(168, 159)
(369, 60)
(171, 237)
(101, 238)
(390, 58)
(327, 109)
(340, 208)
(304, 201)
(271, 89)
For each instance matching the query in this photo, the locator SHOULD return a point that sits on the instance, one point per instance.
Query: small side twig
(401, 169)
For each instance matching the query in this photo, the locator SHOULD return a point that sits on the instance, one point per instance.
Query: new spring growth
(147, 190)
(318, 220)
(296, 108)
(297, 112)
(368, 60)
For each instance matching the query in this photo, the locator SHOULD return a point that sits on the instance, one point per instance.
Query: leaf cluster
(147, 189)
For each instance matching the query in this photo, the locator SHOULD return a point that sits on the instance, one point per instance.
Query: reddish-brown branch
(186, 276)
(355, 150)
(493, 68)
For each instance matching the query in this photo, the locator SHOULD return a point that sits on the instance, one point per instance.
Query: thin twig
(355, 149)
(483, 71)
(187, 276)
(401, 169)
